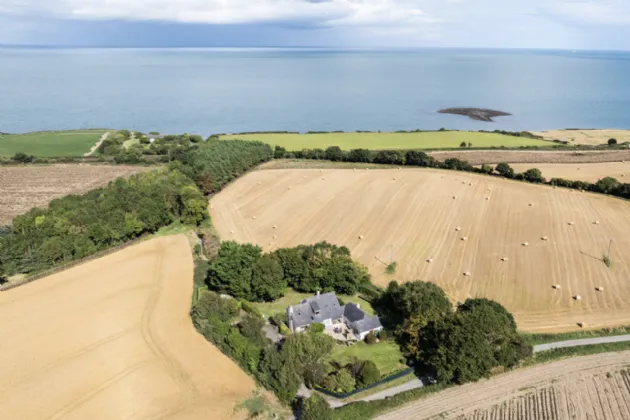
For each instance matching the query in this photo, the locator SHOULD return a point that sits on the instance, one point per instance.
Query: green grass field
(50, 143)
(292, 297)
(386, 355)
(378, 141)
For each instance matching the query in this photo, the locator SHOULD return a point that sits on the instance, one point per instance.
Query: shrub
(279, 319)
(371, 338)
(383, 335)
(335, 154)
(486, 169)
(317, 327)
(279, 152)
(314, 374)
(341, 381)
(369, 374)
(415, 158)
(391, 157)
(505, 170)
(250, 309)
(316, 408)
(462, 144)
(607, 185)
(22, 158)
(359, 155)
(612, 142)
(533, 175)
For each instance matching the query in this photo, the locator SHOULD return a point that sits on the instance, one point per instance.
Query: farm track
(25, 187)
(113, 339)
(97, 145)
(410, 216)
(591, 387)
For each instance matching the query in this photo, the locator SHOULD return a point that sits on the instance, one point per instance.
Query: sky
(550, 24)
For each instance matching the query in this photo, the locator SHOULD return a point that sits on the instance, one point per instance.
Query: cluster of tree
(244, 272)
(282, 367)
(167, 148)
(456, 346)
(343, 378)
(218, 162)
(21, 157)
(77, 226)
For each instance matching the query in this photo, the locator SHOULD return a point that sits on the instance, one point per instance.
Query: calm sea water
(213, 90)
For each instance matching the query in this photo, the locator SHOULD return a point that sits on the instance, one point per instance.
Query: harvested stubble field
(592, 387)
(479, 157)
(28, 186)
(590, 172)
(112, 339)
(590, 137)
(378, 141)
(410, 216)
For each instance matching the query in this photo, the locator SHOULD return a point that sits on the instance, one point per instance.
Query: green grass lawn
(386, 355)
(50, 143)
(292, 297)
(575, 335)
(377, 141)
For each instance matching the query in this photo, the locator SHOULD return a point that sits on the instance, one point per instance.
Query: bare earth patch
(412, 215)
(590, 172)
(590, 137)
(592, 387)
(28, 186)
(112, 339)
(479, 157)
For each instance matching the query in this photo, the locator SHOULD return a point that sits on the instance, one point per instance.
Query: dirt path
(583, 388)
(97, 145)
(581, 342)
(112, 339)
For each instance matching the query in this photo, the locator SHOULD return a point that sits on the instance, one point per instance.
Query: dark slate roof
(327, 303)
(367, 324)
(353, 312)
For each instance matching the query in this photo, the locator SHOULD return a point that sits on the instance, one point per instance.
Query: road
(417, 383)
(97, 145)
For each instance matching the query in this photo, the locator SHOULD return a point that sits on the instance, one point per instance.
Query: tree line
(244, 272)
(77, 226)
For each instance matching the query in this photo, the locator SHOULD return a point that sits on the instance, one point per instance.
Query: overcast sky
(568, 24)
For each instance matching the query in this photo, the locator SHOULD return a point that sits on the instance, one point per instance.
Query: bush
(533, 175)
(612, 142)
(505, 170)
(371, 338)
(383, 335)
(317, 327)
(369, 374)
(279, 319)
(316, 408)
(279, 152)
(463, 144)
(335, 154)
(486, 169)
(390, 157)
(415, 158)
(359, 155)
(250, 309)
(22, 158)
(340, 382)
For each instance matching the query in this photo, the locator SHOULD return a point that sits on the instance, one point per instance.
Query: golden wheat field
(591, 387)
(112, 339)
(590, 172)
(474, 236)
(591, 137)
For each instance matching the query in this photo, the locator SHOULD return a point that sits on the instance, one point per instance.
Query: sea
(207, 91)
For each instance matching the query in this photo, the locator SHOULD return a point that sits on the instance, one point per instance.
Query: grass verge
(534, 339)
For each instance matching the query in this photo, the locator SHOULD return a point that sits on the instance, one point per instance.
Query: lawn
(292, 297)
(386, 355)
(50, 143)
(378, 141)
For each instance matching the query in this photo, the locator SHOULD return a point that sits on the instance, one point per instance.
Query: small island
(478, 114)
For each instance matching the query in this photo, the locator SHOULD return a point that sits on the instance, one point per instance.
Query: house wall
(363, 335)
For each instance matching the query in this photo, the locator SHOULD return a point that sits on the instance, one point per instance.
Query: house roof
(369, 323)
(305, 313)
(353, 312)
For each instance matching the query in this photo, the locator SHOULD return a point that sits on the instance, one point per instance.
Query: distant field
(50, 143)
(379, 141)
(590, 137)
(590, 172)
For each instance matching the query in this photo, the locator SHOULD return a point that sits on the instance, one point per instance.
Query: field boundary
(73, 264)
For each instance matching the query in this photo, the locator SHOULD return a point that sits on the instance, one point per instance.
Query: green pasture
(50, 143)
(386, 355)
(379, 141)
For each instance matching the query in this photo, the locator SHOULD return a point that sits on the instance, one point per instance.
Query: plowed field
(112, 339)
(410, 216)
(25, 187)
(593, 387)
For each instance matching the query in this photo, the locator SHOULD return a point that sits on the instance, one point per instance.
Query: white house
(325, 309)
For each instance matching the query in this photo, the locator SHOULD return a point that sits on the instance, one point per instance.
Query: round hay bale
(275, 226)
(577, 297)
(275, 236)
(289, 188)
(581, 324)
(599, 289)
(470, 184)
(463, 182)
(254, 217)
(323, 178)
(361, 236)
(259, 183)
(596, 222)
(489, 189)
(544, 238)
(571, 223)
(467, 274)
(231, 231)
(454, 197)
(458, 229)
(525, 244)
(531, 205)
(211, 206)
(487, 198)
(578, 169)
(394, 179)
(430, 260)
(556, 286)
(464, 238)
(303, 176)
(504, 259)
(321, 170)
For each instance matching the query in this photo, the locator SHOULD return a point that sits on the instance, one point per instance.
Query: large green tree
(231, 272)
(268, 282)
(416, 298)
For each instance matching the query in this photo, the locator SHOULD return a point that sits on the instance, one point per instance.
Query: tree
(607, 185)
(231, 272)
(486, 169)
(341, 381)
(211, 304)
(315, 408)
(251, 327)
(415, 298)
(369, 374)
(469, 145)
(295, 268)
(505, 170)
(279, 152)
(359, 155)
(335, 154)
(268, 281)
(314, 374)
(462, 144)
(458, 165)
(370, 338)
(22, 158)
(533, 175)
(612, 142)
(415, 158)
(317, 327)
(466, 345)
(390, 157)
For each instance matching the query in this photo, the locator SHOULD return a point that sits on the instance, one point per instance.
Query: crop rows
(541, 405)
